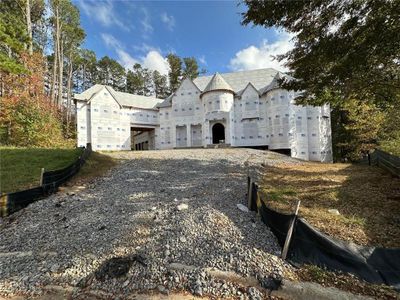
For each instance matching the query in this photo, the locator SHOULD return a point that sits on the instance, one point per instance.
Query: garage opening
(218, 134)
(287, 152)
(142, 138)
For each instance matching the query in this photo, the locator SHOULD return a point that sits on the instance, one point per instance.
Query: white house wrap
(237, 109)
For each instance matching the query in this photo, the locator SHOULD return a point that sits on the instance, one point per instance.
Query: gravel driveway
(170, 216)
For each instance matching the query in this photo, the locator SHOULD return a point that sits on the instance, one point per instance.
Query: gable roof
(239, 80)
(275, 82)
(123, 99)
(217, 82)
(240, 93)
(167, 102)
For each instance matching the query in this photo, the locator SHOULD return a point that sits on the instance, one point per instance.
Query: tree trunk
(55, 57)
(60, 71)
(29, 26)
(69, 87)
(83, 78)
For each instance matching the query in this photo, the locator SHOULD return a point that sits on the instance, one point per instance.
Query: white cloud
(125, 59)
(145, 48)
(254, 57)
(169, 21)
(147, 27)
(111, 41)
(202, 59)
(153, 60)
(103, 12)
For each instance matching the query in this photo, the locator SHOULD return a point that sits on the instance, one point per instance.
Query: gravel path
(169, 216)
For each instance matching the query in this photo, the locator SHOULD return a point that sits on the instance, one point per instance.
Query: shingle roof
(217, 82)
(274, 83)
(239, 80)
(240, 93)
(167, 102)
(124, 99)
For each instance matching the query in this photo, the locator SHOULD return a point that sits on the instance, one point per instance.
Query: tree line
(42, 63)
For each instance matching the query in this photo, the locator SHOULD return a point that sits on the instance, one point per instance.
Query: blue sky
(146, 31)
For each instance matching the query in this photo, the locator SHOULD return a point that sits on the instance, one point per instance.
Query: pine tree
(175, 73)
(111, 73)
(191, 68)
(160, 85)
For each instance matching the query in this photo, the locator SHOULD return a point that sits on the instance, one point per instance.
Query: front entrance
(218, 133)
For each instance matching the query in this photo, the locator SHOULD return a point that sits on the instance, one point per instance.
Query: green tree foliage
(111, 73)
(389, 135)
(191, 68)
(160, 85)
(351, 47)
(355, 128)
(13, 37)
(86, 73)
(175, 72)
(139, 81)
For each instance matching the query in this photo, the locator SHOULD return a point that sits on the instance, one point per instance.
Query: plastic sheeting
(310, 246)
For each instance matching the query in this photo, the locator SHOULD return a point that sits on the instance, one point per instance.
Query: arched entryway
(218, 133)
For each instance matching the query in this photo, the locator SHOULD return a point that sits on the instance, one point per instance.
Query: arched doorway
(218, 133)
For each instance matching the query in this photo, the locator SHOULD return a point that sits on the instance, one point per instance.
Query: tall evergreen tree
(190, 68)
(139, 81)
(13, 37)
(135, 80)
(111, 73)
(86, 73)
(160, 85)
(175, 72)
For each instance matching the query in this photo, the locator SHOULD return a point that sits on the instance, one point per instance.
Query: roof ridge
(241, 71)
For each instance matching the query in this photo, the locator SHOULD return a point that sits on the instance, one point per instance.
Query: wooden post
(249, 194)
(289, 234)
(41, 177)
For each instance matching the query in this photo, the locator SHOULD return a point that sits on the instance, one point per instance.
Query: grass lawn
(20, 167)
(367, 198)
(95, 166)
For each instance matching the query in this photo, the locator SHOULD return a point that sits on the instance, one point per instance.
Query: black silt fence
(386, 161)
(51, 180)
(310, 246)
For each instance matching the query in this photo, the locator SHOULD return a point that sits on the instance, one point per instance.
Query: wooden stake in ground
(289, 234)
(41, 177)
(250, 194)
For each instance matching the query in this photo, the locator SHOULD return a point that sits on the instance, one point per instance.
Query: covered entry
(142, 138)
(218, 133)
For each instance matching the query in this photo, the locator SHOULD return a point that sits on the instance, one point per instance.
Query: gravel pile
(161, 221)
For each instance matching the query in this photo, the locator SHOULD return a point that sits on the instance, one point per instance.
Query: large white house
(241, 109)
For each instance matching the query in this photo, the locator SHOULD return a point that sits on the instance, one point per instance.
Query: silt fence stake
(41, 177)
(250, 194)
(290, 231)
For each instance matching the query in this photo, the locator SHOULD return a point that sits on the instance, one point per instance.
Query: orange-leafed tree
(27, 116)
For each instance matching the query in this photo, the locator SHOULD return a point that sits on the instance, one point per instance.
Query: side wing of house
(83, 123)
(110, 127)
